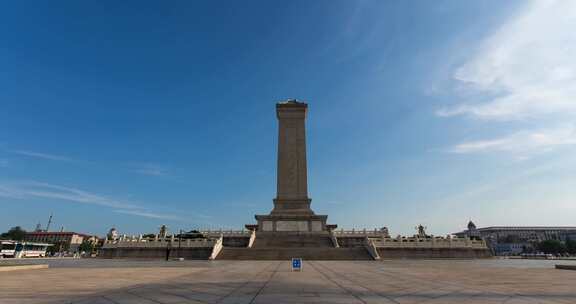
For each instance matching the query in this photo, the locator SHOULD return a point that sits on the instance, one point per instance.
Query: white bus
(31, 250)
(7, 249)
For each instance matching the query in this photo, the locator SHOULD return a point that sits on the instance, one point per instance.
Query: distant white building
(68, 241)
(515, 239)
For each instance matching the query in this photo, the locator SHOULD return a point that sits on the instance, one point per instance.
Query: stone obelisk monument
(292, 205)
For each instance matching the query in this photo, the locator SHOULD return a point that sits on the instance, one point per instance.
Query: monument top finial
(292, 102)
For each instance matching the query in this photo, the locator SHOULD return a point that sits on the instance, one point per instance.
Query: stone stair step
(305, 253)
(292, 241)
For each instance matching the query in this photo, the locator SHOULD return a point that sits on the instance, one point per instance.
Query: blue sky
(138, 114)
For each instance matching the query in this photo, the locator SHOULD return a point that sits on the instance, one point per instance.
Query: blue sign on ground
(296, 264)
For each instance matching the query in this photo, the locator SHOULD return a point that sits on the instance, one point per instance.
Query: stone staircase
(285, 246)
(306, 253)
(292, 240)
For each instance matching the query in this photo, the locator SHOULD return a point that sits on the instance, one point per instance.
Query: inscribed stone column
(292, 205)
(292, 183)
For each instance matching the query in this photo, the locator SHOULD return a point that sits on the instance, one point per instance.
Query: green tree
(86, 246)
(552, 246)
(571, 246)
(15, 233)
(56, 247)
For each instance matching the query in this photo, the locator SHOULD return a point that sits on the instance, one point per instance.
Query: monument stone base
(291, 223)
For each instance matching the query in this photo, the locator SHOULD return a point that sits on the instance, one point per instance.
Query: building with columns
(67, 240)
(516, 239)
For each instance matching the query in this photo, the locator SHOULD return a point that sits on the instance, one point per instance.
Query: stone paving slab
(399, 282)
(4, 268)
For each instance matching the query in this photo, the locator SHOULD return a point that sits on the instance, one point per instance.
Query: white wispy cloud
(528, 66)
(149, 214)
(42, 155)
(525, 71)
(6, 192)
(522, 141)
(33, 189)
(152, 169)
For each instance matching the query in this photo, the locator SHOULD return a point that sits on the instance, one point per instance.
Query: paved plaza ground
(399, 281)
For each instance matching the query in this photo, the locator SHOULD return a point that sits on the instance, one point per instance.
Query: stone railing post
(217, 247)
(371, 248)
(252, 238)
(334, 239)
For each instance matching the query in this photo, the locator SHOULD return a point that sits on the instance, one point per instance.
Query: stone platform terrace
(408, 281)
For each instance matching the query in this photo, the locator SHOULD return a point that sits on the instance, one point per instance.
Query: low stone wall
(236, 241)
(194, 253)
(433, 253)
(200, 253)
(347, 242)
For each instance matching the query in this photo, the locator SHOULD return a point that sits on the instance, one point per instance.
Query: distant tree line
(557, 247)
(14, 233)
